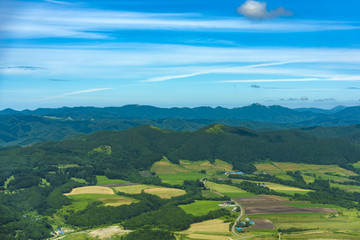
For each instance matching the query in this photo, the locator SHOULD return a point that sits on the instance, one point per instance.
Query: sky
(179, 53)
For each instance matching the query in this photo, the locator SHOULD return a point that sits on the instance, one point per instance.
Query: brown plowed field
(278, 207)
(262, 224)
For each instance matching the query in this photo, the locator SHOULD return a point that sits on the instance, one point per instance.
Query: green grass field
(346, 187)
(178, 179)
(311, 205)
(199, 208)
(82, 200)
(330, 172)
(209, 194)
(347, 221)
(227, 190)
(103, 180)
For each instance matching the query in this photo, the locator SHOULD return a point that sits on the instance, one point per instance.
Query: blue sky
(179, 53)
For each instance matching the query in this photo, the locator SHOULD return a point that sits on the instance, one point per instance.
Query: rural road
(237, 220)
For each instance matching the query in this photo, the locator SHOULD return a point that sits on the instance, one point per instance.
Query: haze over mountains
(46, 124)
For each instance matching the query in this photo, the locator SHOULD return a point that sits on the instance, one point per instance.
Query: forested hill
(138, 148)
(30, 127)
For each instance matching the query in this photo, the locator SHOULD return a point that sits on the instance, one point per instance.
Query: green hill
(138, 148)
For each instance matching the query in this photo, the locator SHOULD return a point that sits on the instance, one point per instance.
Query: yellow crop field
(212, 230)
(166, 192)
(151, 189)
(90, 190)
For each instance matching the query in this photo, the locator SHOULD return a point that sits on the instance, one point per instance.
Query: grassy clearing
(164, 166)
(90, 190)
(311, 205)
(346, 187)
(80, 180)
(209, 194)
(279, 187)
(217, 166)
(357, 165)
(103, 180)
(178, 179)
(107, 199)
(347, 221)
(331, 172)
(199, 208)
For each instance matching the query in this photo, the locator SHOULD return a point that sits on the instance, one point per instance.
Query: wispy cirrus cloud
(79, 92)
(39, 21)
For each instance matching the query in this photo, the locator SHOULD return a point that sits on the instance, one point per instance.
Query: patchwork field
(151, 189)
(187, 170)
(212, 230)
(178, 179)
(103, 180)
(90, 190)
(108, 200)
(227, 190)
(324, 171)
(217, 166)
(199, 208)
(273, 205)
(279, 187)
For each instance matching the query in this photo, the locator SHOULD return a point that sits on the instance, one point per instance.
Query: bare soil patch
(252, 199)
(278, 207)
(262, 224)
(275, 198)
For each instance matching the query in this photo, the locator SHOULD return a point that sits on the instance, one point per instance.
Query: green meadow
(199, 208)
(103, 180)
(178, 178)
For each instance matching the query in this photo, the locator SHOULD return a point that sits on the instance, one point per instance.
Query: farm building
(227, 204)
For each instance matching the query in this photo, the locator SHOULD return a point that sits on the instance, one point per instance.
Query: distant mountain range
(48, 124)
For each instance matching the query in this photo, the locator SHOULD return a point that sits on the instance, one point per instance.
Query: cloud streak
(79, 92)
(42, 22)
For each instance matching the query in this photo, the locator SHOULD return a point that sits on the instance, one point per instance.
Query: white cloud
(257, 10)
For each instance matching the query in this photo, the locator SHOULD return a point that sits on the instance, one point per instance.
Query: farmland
(151, 189)
(212, 230)
(199, 208)
(330, 172)
(90, 190)
(227, 190)
(103, 180)
(279, 187)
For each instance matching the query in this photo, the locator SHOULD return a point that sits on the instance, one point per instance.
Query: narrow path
(242, 211)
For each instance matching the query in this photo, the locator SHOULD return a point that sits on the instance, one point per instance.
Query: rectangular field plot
(199, 208)
(178, 179)
(227, 190)
(347, 222)
(151, 189)
(212, 230)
